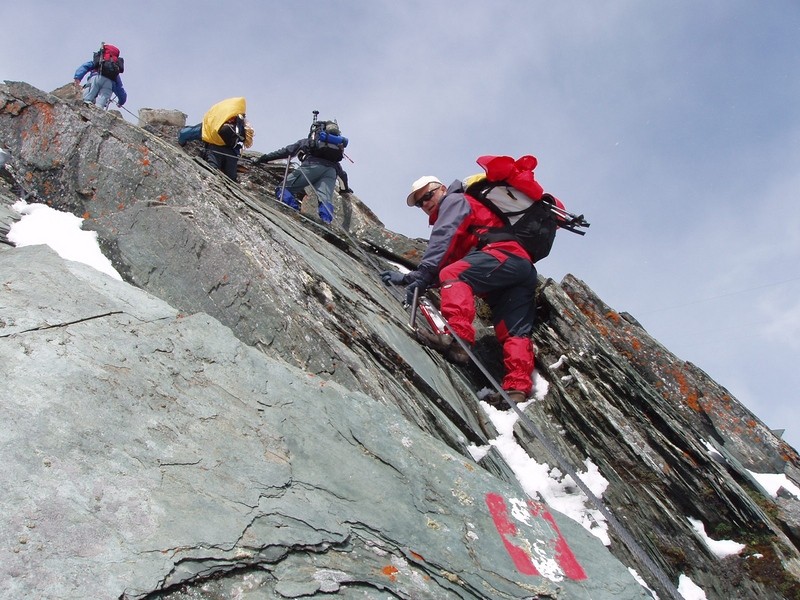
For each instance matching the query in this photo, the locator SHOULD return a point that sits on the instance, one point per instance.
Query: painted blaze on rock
(533, 540)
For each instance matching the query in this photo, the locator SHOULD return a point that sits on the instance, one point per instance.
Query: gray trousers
(320, 177)
(99, 90)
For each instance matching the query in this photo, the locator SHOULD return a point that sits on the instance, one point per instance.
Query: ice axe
(432, 316)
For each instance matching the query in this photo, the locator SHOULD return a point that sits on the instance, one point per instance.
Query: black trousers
(222, 157)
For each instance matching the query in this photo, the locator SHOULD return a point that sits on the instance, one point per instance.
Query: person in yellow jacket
(225, 131)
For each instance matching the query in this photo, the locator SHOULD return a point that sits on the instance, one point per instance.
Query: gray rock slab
(144, 450)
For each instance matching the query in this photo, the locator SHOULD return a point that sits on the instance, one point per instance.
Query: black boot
(497, 400)
(445, 345)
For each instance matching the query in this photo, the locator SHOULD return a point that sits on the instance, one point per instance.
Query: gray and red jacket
(456, 222)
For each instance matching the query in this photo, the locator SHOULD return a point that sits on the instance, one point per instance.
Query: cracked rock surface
(248, 416)
(145, 450)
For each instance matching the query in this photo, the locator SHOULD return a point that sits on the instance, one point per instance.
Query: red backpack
(108, 61)
(529, 216)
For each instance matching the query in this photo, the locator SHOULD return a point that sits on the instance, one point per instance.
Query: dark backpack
(532, 223)
(325, 141)
(108, 61)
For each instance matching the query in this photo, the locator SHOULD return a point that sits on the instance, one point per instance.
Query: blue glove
(393, 277)
(414, 285)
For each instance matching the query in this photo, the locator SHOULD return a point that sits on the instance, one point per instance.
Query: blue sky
(674, 127)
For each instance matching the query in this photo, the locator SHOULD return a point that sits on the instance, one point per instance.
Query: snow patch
(720, 548)
(689, 589)
(773, 482)
(41, 224)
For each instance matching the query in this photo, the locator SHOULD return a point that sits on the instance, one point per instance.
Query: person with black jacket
(224, 131)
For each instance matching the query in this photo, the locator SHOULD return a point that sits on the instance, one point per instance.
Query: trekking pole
(314, 114)
(285, 175)
(127, 111)
(115, 99)
(412, 323)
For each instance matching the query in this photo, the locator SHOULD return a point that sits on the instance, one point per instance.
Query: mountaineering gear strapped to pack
(108, 62)
(325, 140)
(530, 216)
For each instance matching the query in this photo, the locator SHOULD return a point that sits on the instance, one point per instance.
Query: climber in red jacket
(501, 272)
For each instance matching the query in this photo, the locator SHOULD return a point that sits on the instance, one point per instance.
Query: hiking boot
(285, 196)
(444, 344)
(456, 354)
(439, 342)
(496, 399)
(326, 211)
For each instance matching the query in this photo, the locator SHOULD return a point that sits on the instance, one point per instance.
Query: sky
(673, 127)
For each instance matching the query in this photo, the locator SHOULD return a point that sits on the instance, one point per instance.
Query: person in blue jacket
(98, 88)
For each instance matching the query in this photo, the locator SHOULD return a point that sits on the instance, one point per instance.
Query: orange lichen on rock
(604, 331)
(46, 111)
(41, 127)
(690, 395)
(417, 557)
(693, 401)
(145, 160)
(390, 572)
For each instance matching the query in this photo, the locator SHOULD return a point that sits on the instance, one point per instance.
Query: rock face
(246, 415)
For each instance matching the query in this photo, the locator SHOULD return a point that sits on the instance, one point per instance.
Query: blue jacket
(117, 88)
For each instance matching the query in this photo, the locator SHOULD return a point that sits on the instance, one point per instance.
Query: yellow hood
(217, 115)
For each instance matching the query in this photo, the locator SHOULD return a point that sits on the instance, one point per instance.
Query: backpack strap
(481, 188)
(488, 235)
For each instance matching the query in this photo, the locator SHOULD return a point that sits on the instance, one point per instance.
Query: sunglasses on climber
(425, 197)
